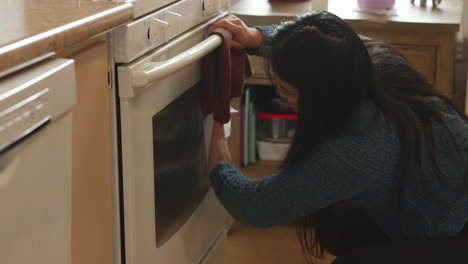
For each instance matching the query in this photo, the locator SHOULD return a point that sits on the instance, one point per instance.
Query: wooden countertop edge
(44, 45)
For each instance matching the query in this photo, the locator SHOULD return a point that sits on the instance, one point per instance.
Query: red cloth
(224, 73)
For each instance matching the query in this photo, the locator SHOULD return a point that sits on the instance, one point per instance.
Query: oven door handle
(154, 71)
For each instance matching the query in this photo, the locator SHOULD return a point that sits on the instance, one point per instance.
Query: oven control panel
(151, 31)
(22, 113)
(33, 96)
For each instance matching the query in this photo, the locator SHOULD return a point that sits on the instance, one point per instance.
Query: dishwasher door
(35, 164)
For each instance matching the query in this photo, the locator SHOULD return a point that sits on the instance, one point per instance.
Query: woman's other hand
(219, 151)
(242, 35)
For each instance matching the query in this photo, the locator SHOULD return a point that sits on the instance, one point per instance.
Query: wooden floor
(279, 244)
(249, 245)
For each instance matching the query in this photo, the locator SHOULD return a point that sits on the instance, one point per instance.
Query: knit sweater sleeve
(262, 50)
(317, 182)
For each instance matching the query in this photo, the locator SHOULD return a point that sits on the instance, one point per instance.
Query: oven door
(171, 215)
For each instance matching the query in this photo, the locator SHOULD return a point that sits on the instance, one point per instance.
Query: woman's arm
(255, 39)
(317, 182)
(262, 50)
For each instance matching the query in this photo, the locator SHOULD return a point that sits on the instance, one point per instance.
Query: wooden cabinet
(425, 35)
(92, 192)
(423, 57)
(431, 53)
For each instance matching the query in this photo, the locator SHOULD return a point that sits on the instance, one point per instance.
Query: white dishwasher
(35, 163)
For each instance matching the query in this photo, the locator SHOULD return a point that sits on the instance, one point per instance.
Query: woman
(378, 154)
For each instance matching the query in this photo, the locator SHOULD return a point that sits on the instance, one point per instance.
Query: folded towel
(224, 73)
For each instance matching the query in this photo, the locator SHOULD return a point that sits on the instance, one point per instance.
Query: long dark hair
(334, 71)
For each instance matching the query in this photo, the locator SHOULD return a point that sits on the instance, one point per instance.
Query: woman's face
(289, 93)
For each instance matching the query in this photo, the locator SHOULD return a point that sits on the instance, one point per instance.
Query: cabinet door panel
(422, 57)
(92, 197)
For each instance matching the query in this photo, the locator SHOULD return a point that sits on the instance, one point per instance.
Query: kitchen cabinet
(431, 53)
(33, 31)
(425, 35)
(423, 58)
(92, 191)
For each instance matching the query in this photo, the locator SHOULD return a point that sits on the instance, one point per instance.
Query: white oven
(142, 7)
(169, 212)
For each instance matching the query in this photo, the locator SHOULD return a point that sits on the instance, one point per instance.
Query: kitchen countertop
(31, 30)
(447, 17)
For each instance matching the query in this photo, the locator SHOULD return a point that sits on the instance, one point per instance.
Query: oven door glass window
(180, 177)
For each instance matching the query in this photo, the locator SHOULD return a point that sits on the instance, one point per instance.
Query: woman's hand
(242, 35)
(219, 148)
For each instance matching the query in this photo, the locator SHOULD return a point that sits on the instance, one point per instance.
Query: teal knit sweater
(358, 165)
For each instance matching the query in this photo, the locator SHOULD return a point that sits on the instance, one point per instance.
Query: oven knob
(174, 21)
(159, 32)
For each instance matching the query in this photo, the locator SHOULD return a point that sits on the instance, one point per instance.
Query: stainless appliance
(168, 212)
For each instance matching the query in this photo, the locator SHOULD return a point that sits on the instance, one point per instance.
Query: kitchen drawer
(423, 57)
